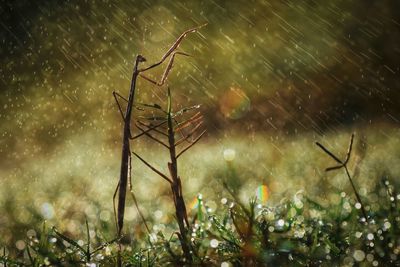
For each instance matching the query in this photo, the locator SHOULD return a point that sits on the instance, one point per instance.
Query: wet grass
(296, 232)
(309, 217)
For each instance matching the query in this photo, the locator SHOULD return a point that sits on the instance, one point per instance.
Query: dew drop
(47, 210)
(370, 236)
(358, 234)
(346, 206)
(229, 154)
(20, 245)
(214, 243)
(280, 223)
(359, 255)
(158, 214)
(370, 257)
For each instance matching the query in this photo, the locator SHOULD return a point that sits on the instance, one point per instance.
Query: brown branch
(349, 150)
(139, 211)
(148, 130)
(180, 141)
(148, 79)
(152, 168)
(167, 69)
(344, 165)
(169, 66)
(334, 168)
(151, 137)
(115, 206)
(196, 117)
(173, 47)
(152, 128)
(192, 144)
(329, 153)
(115, 94)
(134, 197)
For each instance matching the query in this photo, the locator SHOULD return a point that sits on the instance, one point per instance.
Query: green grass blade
(70, 241)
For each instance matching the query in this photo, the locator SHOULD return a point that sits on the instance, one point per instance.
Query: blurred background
(272, 77)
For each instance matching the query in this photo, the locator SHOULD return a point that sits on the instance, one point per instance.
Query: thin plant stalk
(121, 189)
(173, 178)
(343, 164)
(176, 187)
(125, 173)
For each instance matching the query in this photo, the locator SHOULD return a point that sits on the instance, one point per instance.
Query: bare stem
(146, 132)
(152, 168)
(176, 188)
(356, 193)
(343, 164)
(192, 144)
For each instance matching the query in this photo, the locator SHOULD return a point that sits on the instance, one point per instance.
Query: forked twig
(330, 154)
(191, 144)
(184, 124)
(115, 94)
(186, 138)
(121, 188)
(154, 127)
(150, 136)
(343, 164)
(167, 70)
(174, 179)
(152, 168)
(174, 47)
(134, 196)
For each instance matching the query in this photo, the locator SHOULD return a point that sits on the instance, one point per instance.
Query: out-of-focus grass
(61, 189)
(296, 232)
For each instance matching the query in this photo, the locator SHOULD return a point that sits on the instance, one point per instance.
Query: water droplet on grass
(280, 223)
(158, 214)
(31, 233)
(214, 243)
(20, 245)
(370, 257)
(359, 255)
(386, 226)
(229, 154)
(47, 210)
(370, 236)
(346, 206)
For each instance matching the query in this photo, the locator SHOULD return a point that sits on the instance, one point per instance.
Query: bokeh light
(271, 79)
(234, 103)
(262, 194)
